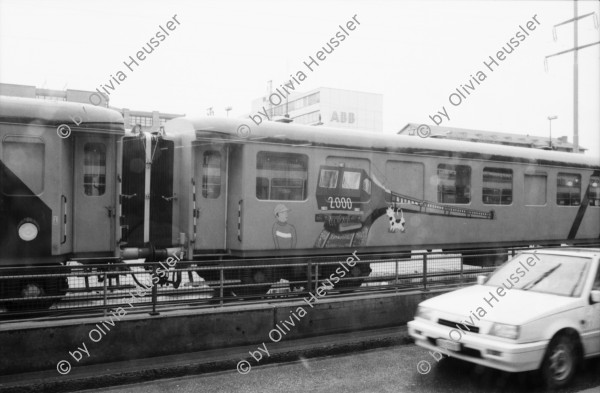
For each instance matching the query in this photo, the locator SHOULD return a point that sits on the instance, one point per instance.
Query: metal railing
(151, 287)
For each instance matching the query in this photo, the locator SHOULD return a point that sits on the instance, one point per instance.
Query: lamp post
(550, 118)
(227, 109)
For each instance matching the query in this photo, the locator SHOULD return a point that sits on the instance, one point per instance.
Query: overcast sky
(223, 53)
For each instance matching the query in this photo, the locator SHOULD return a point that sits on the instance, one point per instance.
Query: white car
(539, 310)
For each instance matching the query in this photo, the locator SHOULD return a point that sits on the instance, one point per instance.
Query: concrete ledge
(30, 347)
(128, 372)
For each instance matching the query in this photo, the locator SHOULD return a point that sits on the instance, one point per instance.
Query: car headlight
(28, 230)
(424, 313)
(506, 331)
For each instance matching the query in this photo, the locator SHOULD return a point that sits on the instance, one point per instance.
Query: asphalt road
(392, 369)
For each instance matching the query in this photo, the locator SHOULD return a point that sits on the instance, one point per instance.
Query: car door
(591, 331)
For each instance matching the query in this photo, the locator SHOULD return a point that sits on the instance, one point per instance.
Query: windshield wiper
(538, 280)
(578, 280)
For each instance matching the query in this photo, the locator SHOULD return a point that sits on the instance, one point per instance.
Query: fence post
(316, 276)
(461, 270)
(309, 275)
(105, 290)
(425, 271)
(154, 290)
(397, 262)
(222, 278)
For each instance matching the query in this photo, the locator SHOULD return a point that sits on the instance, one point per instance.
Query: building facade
(327, 106)
(150, 121)
(70, 95)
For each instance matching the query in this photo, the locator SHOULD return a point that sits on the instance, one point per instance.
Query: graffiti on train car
(350, 201)
(284, 233)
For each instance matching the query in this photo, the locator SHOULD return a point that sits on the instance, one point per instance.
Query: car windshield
(557, 274)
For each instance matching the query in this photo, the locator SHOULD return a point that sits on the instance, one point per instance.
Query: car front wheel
(560, 362)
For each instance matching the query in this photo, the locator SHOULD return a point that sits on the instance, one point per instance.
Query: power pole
(575, 50)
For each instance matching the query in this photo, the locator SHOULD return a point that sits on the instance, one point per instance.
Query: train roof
(269, 132)
(54, 113)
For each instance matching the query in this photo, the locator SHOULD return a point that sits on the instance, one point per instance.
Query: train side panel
(520, 200)
(56, 159)
(30, 195)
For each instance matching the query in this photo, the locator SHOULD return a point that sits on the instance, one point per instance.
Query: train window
(24, 157)
(262, 188)
(535, 189)
(287, 189)
(94, 169)
(328, 178)
(594, 191)
(367, 186)
(211, 174)
(454, 183)
(281, 176)
(497, 186)
(568, 189)
(351, 180)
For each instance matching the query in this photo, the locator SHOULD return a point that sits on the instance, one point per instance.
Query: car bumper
(479, 348)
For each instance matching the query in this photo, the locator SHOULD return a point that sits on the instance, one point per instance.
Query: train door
(161, 193)
(210, 178)
(132, 191)
(93, 193)
(136, 201)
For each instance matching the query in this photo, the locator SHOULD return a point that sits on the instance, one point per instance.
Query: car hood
(515, 307)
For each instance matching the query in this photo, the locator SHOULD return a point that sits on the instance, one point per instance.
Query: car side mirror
(595, 296)
(481, 280)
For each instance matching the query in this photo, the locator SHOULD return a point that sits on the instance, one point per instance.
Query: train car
(74, 185)
(281, 190)
(57, 188)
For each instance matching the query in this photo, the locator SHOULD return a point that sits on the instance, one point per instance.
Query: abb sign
(344, 117)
